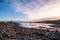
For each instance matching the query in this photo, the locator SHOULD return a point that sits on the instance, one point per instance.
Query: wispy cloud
(37, 9)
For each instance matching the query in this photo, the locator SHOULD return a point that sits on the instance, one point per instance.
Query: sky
(27, 10)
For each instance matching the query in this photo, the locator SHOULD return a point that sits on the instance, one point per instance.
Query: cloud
(37, 9)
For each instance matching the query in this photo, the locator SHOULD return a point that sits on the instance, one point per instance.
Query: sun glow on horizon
(52, 9)
(28, 10)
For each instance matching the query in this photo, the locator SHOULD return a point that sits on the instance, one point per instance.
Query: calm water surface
(39, 25)
(35, 25)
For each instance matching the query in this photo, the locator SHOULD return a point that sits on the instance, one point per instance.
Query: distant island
(49, 21)
(52, 21)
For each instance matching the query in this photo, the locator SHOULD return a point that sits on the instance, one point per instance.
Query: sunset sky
(26, 10)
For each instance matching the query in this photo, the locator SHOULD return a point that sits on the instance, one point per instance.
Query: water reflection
(36, 25)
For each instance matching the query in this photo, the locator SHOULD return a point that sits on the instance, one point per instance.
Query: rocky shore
(13, 31)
